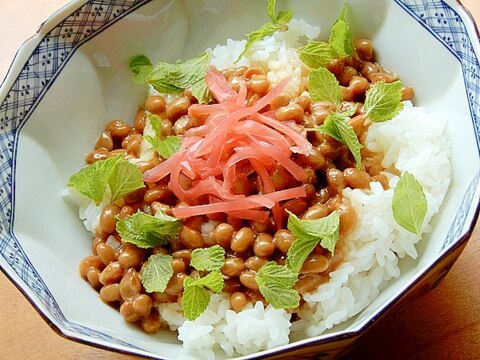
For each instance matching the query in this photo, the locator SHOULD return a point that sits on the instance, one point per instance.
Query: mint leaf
(201, 92)
(213, 280)
(275, 283)
(208, 259)
(156, 272)
(271, 272)
(120, 176)
(315, 54)
(308, 234)
(165, 146)
(124, 179)
(276, 23)
(195, 300)
(383, 101)
(141, 68)
(280, 297)
(337, 126)
(271, 10)
(174, 78)
(147, 231)
(409, 204)
(341, 40)
(324, 86)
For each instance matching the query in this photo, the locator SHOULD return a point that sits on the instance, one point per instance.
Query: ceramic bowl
(71, 76)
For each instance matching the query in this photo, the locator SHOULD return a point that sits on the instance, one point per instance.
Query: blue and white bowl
(71, 76)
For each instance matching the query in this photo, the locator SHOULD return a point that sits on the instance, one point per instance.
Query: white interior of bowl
(95, 87)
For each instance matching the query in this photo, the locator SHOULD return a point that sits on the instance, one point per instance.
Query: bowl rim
(24, 53)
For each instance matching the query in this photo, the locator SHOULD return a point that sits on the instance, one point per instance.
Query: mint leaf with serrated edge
(337, 127)
(141, 68)
(383, 101)
(276, 23)
(165, 146)
(275, 283)
(174, 78)
(208, 259)
(213, 280)
(156, 272)
(324, 86)
(120, 176)
(309, 233)
(124, 179)
(409, 204)
(315, 54)
(147, 231)
(195, 299)
(271, 10)
(341, 40)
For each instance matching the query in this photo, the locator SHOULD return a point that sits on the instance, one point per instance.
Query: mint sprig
(341, 40)
(277, 23)
(324, 86)
(337, 126)
(276, 283)
(141, 67)
(208, 259)
(156, 273)
(117, 175)
(315, 54)
(309, 233)
(409, 204)
(195, 299)
(383, 101)
(147, 231)
(165, 146)
(174, 77)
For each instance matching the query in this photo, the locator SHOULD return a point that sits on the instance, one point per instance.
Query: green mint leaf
(383, 101)
(344, 14)
(201, 92)
(277, 23)
(284, 18)
(315, 54)
(324, 86)
(266, 29)
(275, 283)
(341, 40)
(165, 146)
(174, 78)
(195, 299)
(279, 297)
(271, 272)
(409, 204)
(141, 68)
(308, 234)
(120, 176)
(208, 259)
(124, 179)
(271, 10)
(213, 280)
(337, 127)
(147, 231)
(157, 272)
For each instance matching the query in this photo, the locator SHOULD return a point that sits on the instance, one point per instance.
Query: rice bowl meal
(265, 192)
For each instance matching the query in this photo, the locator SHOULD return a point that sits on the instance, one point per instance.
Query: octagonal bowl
(73, 74)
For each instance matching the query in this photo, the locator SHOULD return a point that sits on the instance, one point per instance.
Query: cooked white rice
(413, 141)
